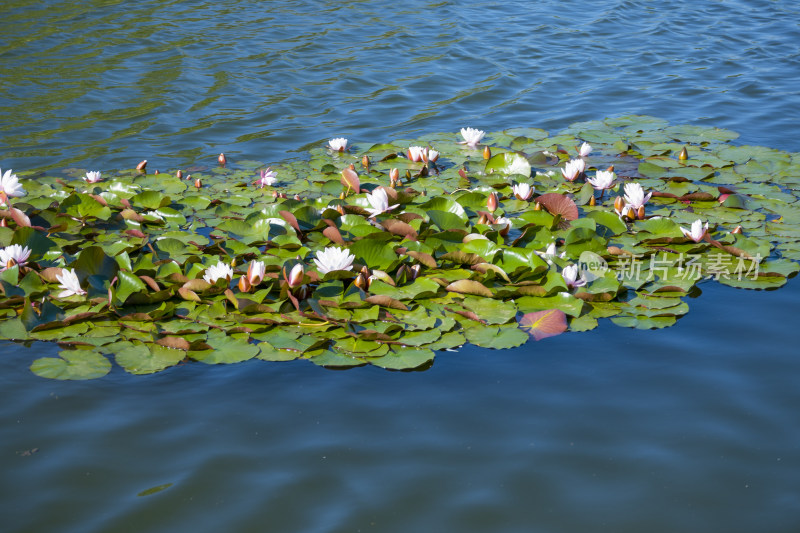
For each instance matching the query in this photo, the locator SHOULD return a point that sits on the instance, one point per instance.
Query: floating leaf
(559, 204)
(543, 324)
(73, 365)
(467, 286)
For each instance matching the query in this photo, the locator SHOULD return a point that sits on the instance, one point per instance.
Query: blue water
(692, 428)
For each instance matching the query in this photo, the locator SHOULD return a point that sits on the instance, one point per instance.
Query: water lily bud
(365, 271)
(142, 165)
(619, 204)
(282, 195)
(244, 284)
(492, 202)
(640, 213)
(487, 154)
(413, 272)
(274, 194)
(197, 183)
(398, 183)
(301, 293)
(188, 177)
(3, 223)
(295, 278)
(592, 201)
(629, 213)
(255, 272)
(537, 206)
(684, 155)
(296, 196)
(483, 219)
(179, 174)
(737, 230)
(408, 174)
(361, 282)
(394, 174)
(352, 166)
(222, 160)
(610, 169)
(401, 275)
(156, 172)
(365, 162)
(340, 209)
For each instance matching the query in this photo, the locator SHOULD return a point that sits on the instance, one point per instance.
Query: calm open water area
(689, 428)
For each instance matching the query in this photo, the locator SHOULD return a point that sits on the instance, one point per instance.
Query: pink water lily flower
(573, 169)
(69, 282)
(523, 191)
(570, 275)
(13, 255)
(697, 232)
(634, 195)
(338, 144)
(268, 177)
(585, 149)
(92, 177)
(472, 136)
(603, 179)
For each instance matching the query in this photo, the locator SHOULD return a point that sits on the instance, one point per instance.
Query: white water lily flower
(505, 224)
(523, 191)
(472, 136)
(585, 149)
(570, 275)
(634, 195)
(69, 282)
(9, 186)
(697, 231)
(14, 255)
(267, 178)
(433, 155)
(92, 177)
(417, 153)
(379, 201)
(339, 144)
(603, 179)
(551, 252)
(333, 258)
(217, 272)
(573, 169)
(519, 166)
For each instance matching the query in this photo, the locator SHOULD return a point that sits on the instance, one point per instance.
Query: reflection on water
(687, 429)
(684, 429)
(104, 84)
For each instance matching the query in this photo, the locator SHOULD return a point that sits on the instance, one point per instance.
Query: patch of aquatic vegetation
(385, 253)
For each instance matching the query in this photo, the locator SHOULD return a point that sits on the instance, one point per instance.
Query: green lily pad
(72, 365)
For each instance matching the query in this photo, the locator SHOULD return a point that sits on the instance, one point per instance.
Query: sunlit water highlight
(692, 428)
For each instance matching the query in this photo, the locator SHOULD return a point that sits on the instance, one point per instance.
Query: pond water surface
(691, 428)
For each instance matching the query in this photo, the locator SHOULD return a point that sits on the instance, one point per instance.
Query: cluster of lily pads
(386, 253)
